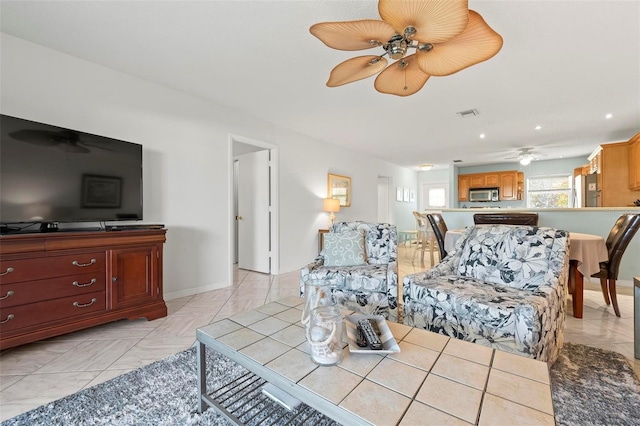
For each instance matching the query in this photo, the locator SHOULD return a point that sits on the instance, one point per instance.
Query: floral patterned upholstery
(370, 288)
(502, 286)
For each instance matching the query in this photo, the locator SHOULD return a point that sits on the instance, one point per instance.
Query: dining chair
(621, 234)
(439, 229)
(506, 218)
(425, 239)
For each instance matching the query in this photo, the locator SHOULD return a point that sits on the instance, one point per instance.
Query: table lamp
(331, 205)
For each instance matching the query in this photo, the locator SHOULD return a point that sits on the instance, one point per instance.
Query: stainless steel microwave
(483, 194)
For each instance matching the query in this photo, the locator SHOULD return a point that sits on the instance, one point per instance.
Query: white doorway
(253, 230)
(384, 207)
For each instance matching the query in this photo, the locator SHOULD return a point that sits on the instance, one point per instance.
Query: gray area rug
(590, 387)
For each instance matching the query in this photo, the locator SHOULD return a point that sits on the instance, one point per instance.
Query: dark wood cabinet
(52, 284)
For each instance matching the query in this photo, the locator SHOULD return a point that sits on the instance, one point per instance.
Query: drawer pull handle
(77, 284)
(8, 271)
(9, 318)
(76, 263)
(9, 294)
(77, 305)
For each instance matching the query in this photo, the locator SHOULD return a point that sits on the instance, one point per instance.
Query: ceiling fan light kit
(447, 37)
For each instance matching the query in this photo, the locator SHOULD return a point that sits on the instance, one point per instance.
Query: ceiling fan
(65, 140)
(525, 156)
(446, 35)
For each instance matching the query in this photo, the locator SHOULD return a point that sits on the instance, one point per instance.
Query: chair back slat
(621, 234)
(439, 229)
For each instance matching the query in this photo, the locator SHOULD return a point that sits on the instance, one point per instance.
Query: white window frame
(560, 175)
(424, 195)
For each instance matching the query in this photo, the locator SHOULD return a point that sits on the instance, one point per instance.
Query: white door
(253, 211)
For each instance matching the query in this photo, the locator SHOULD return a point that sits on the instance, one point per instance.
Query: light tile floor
(40, 372)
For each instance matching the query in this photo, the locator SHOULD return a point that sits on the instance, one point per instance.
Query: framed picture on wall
(101, 191)
(412, 196)
(339, 187)
(406, 194)
(399, 194)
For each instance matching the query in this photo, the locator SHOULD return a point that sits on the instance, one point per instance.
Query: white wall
(186, 156)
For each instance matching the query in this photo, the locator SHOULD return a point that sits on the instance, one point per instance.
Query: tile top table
(445, 380)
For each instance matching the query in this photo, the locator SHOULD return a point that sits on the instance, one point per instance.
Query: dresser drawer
(14, 294)
(12, 271)
(44, 312)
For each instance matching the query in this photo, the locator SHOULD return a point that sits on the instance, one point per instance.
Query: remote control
(372, 338)
(360, 339)
(374, 324)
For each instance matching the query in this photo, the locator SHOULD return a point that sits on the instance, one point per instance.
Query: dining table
(586, 251)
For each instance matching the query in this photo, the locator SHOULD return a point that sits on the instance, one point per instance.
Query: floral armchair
(363, 263)
(502, 286)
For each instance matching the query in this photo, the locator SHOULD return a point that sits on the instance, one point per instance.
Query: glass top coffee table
(433, 377)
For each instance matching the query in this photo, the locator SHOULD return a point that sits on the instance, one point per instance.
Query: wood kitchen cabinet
(508, 186)
(506, 181)
(520, 186)
(614, 175)
(634, 162)
(463, 188)
(56, 283)
(484, 180)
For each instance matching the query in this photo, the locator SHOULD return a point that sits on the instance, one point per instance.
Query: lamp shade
(331, 205)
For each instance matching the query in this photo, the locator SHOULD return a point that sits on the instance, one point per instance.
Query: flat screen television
(50, 174)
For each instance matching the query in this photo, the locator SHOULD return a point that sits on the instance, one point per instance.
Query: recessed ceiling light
(608, 116)
(538, 127)
(425, 167)
(482, 135)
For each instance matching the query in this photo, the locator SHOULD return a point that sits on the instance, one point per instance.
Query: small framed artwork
(412, 196)
(406, 194)
(101, 191)
(399, 194)
(339, 187)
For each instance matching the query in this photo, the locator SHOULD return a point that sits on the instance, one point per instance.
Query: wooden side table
(321, 233)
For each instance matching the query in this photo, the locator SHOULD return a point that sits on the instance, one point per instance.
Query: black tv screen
(53, 174)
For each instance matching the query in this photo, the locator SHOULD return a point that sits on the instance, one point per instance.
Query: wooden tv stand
(56, 283)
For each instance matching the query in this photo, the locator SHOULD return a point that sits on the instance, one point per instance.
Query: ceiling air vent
(457, 161)
(468, 113)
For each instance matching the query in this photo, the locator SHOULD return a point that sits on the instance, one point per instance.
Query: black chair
(506, 218)
(439, 229)
(621, 234)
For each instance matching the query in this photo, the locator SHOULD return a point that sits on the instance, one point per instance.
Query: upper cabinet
(509, 182)
(463, 188)
(508, 186)
(634, 162)
(617, 173)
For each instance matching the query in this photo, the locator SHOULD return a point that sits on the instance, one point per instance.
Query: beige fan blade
(477, 43)
(396, 80)
(355, 69)
(353, 35)
(436, 21)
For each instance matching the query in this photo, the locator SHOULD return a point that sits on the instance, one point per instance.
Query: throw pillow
(344, 248)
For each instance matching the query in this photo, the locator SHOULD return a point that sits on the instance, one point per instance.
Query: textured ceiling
(563, 66)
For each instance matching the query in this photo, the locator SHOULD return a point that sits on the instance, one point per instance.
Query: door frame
(273, 177)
